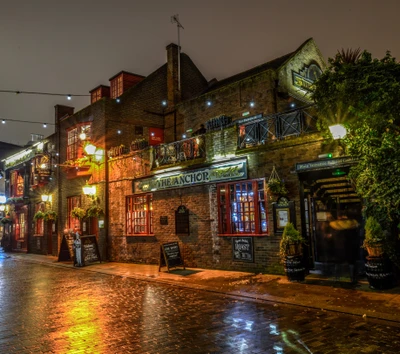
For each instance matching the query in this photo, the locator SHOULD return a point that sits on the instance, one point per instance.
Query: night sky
(73, 46)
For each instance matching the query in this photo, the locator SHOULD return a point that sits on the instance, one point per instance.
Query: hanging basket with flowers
(78, 213)
(50, 215)
(276, 186)
(39, 215)
(94, 212)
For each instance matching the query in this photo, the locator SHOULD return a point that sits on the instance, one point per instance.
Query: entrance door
(332, 221)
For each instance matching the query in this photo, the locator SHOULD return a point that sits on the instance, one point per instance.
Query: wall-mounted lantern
(47, 198)
(2, 207)
(89, 190)
(338, 131)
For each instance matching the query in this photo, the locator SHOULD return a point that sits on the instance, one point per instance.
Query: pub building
(209, 192)
(175, 158)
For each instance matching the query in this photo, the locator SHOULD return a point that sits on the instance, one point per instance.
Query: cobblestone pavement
(48, 309)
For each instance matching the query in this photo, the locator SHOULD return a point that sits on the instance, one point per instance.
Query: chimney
(62, 111)
(174, 94)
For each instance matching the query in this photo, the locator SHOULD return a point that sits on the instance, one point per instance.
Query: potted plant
(291, 250)
(374, 238)
(78, 213)
(277, 187)
(39, 215)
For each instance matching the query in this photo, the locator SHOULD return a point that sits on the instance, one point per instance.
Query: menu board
(90, 249)
(170, 256)
(243, 249)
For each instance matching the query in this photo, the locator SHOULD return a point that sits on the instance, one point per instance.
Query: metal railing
(277, 126)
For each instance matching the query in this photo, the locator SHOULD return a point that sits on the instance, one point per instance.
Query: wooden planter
(294, 249)
(375, 251)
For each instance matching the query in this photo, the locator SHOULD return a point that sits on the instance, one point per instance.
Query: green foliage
(39, 215)
(277, 187)
(290, 236)
(78, 213)
(374, 234)
(6, 220)
(94, 212)
(50, 215)
(363, 94)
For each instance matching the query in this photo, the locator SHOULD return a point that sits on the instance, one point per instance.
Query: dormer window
(123, 81)
(116, 87)
(98, 93)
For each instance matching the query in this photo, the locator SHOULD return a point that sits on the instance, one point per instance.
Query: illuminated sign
(315, 165)
(216, 173)
(306, 78)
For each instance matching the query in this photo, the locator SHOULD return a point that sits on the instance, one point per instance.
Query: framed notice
(283, 213)
(282, 217)
(242, 249)
(90, 249)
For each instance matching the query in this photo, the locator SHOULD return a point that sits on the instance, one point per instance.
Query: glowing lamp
(45, 198)
(2, 207)
(82, 136)
(90, 149)
(338, 131)
(3, 199)
(89, 190)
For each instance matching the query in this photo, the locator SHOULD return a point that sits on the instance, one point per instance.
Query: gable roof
(274, 64)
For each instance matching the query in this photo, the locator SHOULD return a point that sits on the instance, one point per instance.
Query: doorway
(332, 222)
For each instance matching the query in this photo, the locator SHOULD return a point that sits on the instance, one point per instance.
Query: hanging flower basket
(78, 213)
(50, 215)
(94, 212)
(276, 186)
(39, 215)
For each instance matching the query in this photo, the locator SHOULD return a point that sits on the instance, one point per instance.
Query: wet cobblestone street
(47, 309)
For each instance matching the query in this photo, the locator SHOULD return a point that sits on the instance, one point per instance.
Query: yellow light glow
(338, 131)
(90, 149)
(89, 190)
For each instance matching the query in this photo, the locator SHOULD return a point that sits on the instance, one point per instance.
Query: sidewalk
(314, 292)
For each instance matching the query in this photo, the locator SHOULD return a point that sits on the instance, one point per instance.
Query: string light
(67, 95)
(25, 121)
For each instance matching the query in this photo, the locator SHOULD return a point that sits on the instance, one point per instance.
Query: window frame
(145, 214)
(74, 143)
(256, 209)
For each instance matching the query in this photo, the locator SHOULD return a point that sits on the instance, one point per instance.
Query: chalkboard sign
(170, 256)
(182, 220)
(90, 250)
(242, 248)
(66, 250)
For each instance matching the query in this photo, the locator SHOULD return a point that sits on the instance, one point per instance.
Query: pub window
(138, 130)
(139, 214)
(242, 208)
(72, 203)
(74, 144)
(39, 223)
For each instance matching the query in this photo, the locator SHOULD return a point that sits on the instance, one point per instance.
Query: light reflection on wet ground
(48, 309)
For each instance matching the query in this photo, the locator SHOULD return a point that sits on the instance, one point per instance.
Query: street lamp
(89, 190)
